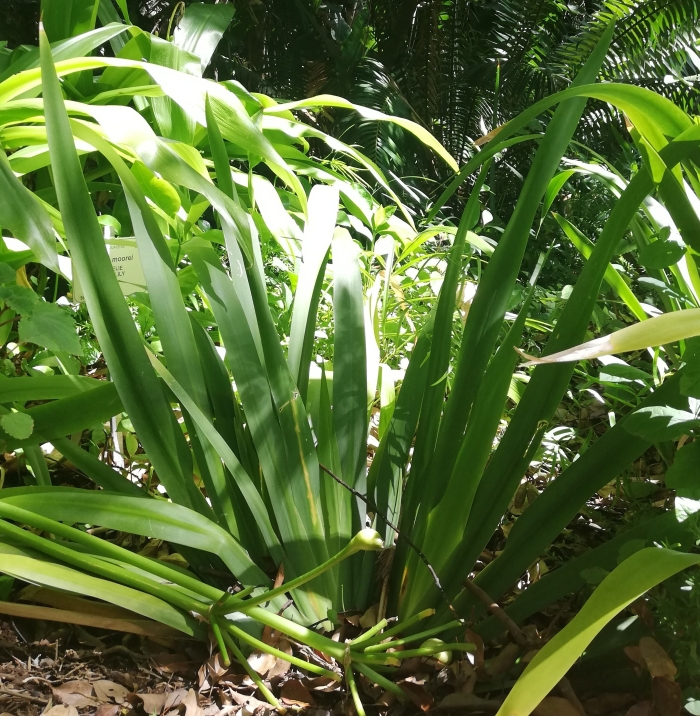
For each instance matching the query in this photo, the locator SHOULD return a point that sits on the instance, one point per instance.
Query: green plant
(280, 459)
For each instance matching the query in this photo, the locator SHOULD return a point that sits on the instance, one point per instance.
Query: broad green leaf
(45, 387)
(50, 326)
(661, 254)
(613, 278)
(67, 49)
(119, 339)
(665, 528)
(150, 518)
(175, 328)
(327, 100)
(57, 576)
(37, 463)
(538, 404)
(554, 509)
(201, 29)
(68, 415)
(20, 298)
(496, 284)
(387, 398)
(690, 383)
(99, 472)
(243, 481)
(318, 234)
(17, 425)
(7, 274)
(25, 217)
(553, 189)
(684, 474)
(621, 587)
(656, 331)
(659, 423)
(349, 366)
(67, 18)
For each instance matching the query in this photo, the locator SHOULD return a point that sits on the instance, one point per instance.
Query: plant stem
(350, 677)
(252, 673)
(256, 643)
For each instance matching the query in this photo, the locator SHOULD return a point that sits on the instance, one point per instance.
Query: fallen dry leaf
(174, 664)
(107, 710)
(418, 695)
(192, 707)
(634, 654)
(76, 693)
(657, 661)
(109, 691)
(471, 637)
(249, 703)
(210, 672)
(157, 703)
(666, 696)
(294, 693)
(281, 666)
(556, 706)
(262, 661)
(59, 711)
(370, 617)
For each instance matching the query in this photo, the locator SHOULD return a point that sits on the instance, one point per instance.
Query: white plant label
(127, 267)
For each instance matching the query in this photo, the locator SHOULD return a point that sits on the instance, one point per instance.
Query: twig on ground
(24, 697)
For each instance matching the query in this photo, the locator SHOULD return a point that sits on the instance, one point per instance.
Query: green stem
(257, 644)
(372, 675)
(410, 639)
(402, 626)
(353, 691)
(298, 632)
(364, 540)
(369, 633)
(252, 673)
(216, 629)
(112, 551)
(104, 569)
(433, 649)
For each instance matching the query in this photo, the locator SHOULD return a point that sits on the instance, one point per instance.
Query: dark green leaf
(661, 422)
(661, 254)
(18, 425)
(50, 326)
(684, 474)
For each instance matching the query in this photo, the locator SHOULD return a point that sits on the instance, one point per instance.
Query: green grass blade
(68, 415)
(570, 577)
(612, 277)
(201, 28)
(138, 387)
(497, 282)
(56, 576)
(318, 234)
(96, 470)
(635, 576)
(25, 217)
(149, 518)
